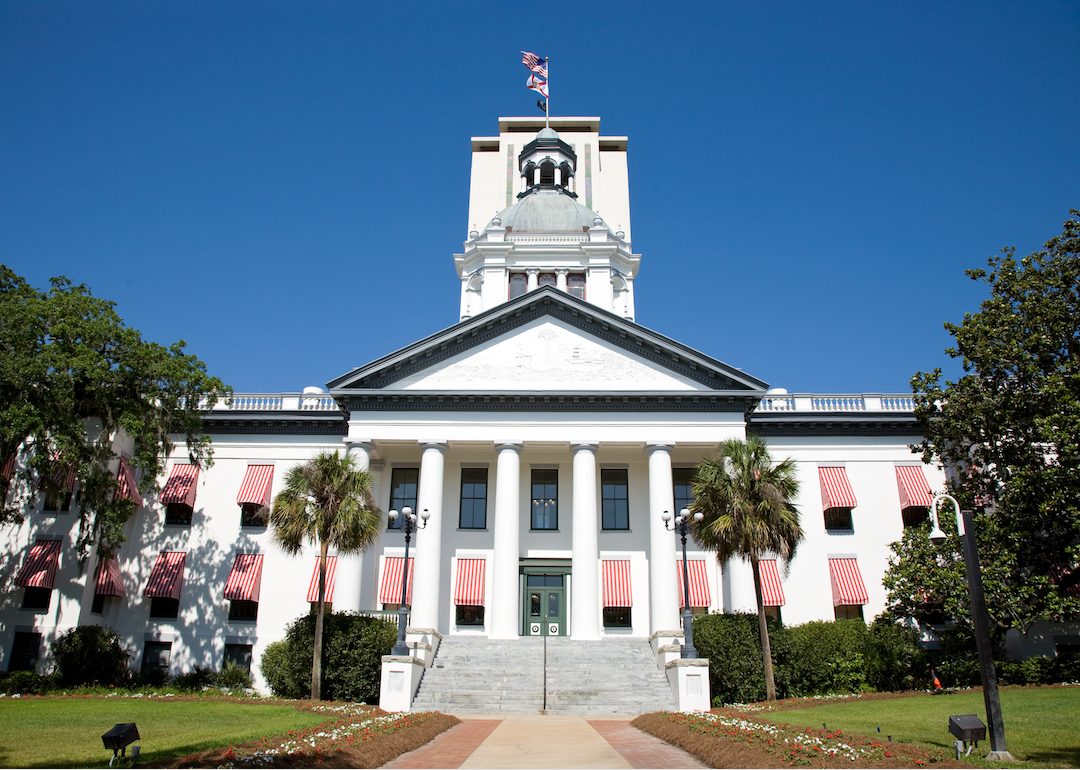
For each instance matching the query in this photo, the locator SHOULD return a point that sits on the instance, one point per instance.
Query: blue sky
(282, 185)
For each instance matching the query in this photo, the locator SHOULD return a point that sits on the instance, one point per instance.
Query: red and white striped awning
(108, 581)
(617, 583)
(9, 467)
(63, 476)
(699, 583)
(847, 582)
(772, 593)
(256, 486)
(390, 585)
(167, 577)
(245, 578)
(913, 487)
(126, 488)
(313, 586)
(39, 570)
(180, 488)
(835, 489)
(470, 582)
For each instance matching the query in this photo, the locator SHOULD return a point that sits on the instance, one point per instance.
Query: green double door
(545, 605)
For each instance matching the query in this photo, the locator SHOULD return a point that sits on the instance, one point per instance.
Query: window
(774, 613)
(546, 279)
(469, 615)
(838, 519)
(178, 513)
(547, 173)
(519, 284)
(403, 483)
(164, 607)
(914, 515)
(473, 498)
(575, 284)
(37, 599)
(156, 656)
(327, 606)
(682, 480)
(253, 515)
(848, 612)
(616, 510)
(57, 501)
(243, 610)
(617, 617)
(239, 654)
(24, 651)
(545, 498)
(98, 606)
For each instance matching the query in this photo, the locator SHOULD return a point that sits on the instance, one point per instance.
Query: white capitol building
(544, 434)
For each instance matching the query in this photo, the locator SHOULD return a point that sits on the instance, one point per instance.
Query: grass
(1041, 724)
(66, 732)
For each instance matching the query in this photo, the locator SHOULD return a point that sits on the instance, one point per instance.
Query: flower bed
(728, 739)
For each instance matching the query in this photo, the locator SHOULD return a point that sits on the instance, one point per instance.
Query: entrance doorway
(545, 605)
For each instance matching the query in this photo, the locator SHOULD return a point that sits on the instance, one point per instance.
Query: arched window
(547, 173)
(575, 284)
(519, 284)
(567, 173)
(530, 174)
(547, 279)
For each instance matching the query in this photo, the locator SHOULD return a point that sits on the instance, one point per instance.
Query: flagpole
(547, 112)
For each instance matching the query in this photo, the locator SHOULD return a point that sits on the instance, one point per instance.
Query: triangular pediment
(547, 340)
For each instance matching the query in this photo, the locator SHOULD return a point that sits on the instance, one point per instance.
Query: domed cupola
(547, 163)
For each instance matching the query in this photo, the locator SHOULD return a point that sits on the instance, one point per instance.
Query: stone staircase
(474, 675)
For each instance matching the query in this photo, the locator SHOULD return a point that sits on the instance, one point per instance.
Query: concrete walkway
(531, 741)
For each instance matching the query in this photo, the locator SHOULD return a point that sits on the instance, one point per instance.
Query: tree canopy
(748, 508)
(1008, 431)
(327, 502)
(72, 377)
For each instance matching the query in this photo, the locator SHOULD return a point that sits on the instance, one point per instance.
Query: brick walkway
(641, 749)
(457, 744)
(449, 749)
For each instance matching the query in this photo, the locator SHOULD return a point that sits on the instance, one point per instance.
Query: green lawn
(66, 732)
(1042, 726)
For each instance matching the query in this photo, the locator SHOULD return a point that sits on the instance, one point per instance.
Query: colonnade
(505, 613)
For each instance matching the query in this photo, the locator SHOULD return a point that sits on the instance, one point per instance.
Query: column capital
(592, 446)
(365, 443)
(652, 446)
(517, 446)
(532, 271)
(562, 271)
(433, 443)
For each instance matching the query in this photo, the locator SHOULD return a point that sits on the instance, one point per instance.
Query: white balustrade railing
(318, 404)
(260, 402)
(514, 238)
(254, 403)
(806, 402)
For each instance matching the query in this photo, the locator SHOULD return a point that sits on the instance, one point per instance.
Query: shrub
(88, 654)
(150, 677)
(274, 668)
(353, 646)
(894, 658)
(24, 683)
(196, 679)
(233, 676)
(733, 646)
(826, 657)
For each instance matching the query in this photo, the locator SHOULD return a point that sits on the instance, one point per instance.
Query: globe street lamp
(409, 525)
(965, 525)
(682, 528)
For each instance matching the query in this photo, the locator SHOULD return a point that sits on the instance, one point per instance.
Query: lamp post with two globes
(682, 528)
(410, 526)
(966, 527)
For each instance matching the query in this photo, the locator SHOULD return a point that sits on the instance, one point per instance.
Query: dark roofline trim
(419, 401)
(834, 424)
(626, 335)
(276, 422)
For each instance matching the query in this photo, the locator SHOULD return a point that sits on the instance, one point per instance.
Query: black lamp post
(966, 527)
(682, 528)
(410, 526)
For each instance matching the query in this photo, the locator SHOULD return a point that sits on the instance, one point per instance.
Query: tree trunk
(763, 630)
(316, 657)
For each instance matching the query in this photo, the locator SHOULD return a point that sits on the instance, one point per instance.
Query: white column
(663, 582)
(585, 598)
(560, 278)
(505, 614)
(533, 280)
(349, 571)
(427, 569)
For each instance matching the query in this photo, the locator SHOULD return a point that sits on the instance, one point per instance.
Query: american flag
(532, 61)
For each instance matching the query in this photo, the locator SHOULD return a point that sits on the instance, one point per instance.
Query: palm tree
(327, 501)
(747, 503)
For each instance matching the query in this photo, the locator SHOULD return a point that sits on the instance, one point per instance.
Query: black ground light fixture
(409, 525)
(682, 528)
(119, 738)
(965, 525)
(968, 730)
